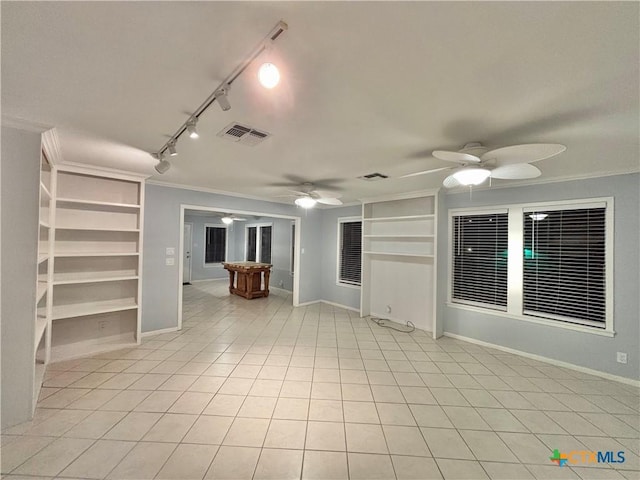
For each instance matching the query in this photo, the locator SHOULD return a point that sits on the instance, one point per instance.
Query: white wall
(20, 192)
(578, 348)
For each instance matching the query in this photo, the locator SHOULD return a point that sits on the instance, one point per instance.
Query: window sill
(348, 285)
(213, 265)
(539, 321)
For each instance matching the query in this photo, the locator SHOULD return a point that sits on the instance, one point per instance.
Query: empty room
(320, 240)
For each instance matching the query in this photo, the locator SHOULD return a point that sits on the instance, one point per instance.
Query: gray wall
(198, 270)
(331, 291)
(20, 172)
(280, 248)
(162, 229)
(584, 349)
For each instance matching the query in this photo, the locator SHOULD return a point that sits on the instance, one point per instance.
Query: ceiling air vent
(242, 134)
(372, 177)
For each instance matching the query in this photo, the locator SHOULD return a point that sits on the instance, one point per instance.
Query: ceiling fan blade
(451, 182)
(329, 201)
(457, 157)
(326, 194)
(527, 153)
(238, 219)
(425, 172)
(516, 171)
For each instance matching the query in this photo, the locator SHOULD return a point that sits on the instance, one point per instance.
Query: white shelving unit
(97, 260)
(399, 259)
(42, 321)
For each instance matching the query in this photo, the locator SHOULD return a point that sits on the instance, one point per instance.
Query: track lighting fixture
(220, 94)
(163, 165)
(222, 99)
(191, 128)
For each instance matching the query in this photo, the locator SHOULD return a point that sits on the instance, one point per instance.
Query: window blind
(564, 265)
(252, 233)
(350, 252)
(265, 244)
(479, 260)
(216, 244)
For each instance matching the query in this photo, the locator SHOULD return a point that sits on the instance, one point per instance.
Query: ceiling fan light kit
(472, 175)
(269, 76)
(227, 220)
(306, 202)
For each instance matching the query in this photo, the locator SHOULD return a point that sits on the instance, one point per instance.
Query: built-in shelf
(44, 224)
(400, 236)
(41, 326)
(95, 229)
(95, 254)
(390, 254)
(45, 191)
(399, 218)
(92, 308)
(89, 277)
(42, 258)
(115, 205)
(41, 289)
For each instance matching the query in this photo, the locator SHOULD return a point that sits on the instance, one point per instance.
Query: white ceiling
(366, 86)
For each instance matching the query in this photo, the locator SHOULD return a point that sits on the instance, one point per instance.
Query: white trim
(278, 289)
(339, 305)
(258, 227)
(341, 220)
(191, 248)
(204, 245)
(51, 146)
(92, 170)
(401, 196)
(306, 304)
(159, 332)
(539, 320)
(202, 280)
(540, 358)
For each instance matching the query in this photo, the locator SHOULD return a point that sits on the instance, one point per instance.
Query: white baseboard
(540, 358)
(340, 306)
(283, 290)
(158, 332)
(209, 280)
(308, 303)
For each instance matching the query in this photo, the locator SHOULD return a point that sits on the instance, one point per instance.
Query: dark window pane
(251, 243)
(265, 244)
(351, 252)
(216, 244)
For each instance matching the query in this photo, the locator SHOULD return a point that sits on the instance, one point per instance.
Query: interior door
(186, 254)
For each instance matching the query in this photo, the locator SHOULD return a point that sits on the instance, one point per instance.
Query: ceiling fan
(306, 196)
(228, 219)
(477, 163)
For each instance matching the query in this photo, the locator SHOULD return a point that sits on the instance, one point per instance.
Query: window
(548, 263)
(564, 265)
(479, 260)
(349, 251)
(215, 244)
(258, 243)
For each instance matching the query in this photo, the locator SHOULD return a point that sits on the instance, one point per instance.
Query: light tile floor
(258, 389)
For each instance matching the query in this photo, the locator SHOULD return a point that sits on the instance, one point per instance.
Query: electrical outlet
(170, 261)
(621, 357)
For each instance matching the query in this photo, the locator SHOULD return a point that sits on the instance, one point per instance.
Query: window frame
(204, 245)
(258, 227)
(515, 269)
(339, 223)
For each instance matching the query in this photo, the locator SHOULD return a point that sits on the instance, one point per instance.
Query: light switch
(302, 250)
(170, 261)
(171, 251)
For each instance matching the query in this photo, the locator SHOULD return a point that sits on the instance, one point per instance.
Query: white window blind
(350, 252)
(564, 265)
(479, 263)
(215, 244)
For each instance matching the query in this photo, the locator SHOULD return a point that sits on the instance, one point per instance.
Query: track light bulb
(269, 75)
(162, 166)
(172, 149)
(191, 128)
(305, 202)
(222, 99)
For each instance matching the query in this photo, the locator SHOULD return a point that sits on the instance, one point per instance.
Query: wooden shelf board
(95, 229)
(42, 258)
(73, 201)
(41, 290)
(89, 277)
(45, 190)
(404, 217)
(41, 326)
(44, 224)
(92, 308)
(95, 254)
(391, 254)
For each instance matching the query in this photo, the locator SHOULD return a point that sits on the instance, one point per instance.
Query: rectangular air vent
(372, 177)
(243, 134)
